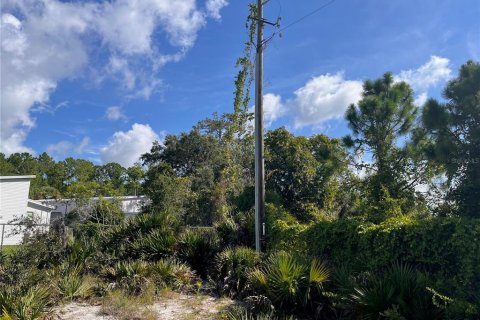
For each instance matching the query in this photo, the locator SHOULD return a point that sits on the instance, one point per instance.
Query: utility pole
(259, 161)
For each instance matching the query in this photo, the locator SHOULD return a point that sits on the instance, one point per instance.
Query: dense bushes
(447, 249)
(403, 267)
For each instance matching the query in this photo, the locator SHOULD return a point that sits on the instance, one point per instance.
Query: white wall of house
(39, 212)
(13, 204)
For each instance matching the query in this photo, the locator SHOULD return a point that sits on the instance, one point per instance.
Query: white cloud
(214, 7)
(323, 98)
(273, 108)
(430, 74)
(421, 99)
(115, 113)
(435, 71)
(83, 144)
(47, 41)
(63, 148)
(59, 149)
(127, 147)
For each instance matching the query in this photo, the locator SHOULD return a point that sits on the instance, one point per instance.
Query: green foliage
(73, 285)
(289, 282)
(154, 245)
(232, 267)
(302, 170)
(135, 175)
(134, 239)
(242, 313)
(400, 291)
(237, 230)
(172, 273)
(31, 304)
(445, 248)
(54, 178)
(198, 248)
(454, 128)
(101, 211)
(132, 276)
(383, 116)
(283, 230)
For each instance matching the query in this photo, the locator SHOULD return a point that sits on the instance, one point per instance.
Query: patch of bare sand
(171, 307)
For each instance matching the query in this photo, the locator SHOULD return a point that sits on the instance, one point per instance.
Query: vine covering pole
(259, 159)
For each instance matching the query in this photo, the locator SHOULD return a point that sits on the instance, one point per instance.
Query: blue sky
(102, 80)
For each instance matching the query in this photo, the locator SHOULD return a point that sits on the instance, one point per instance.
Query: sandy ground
(178, 307)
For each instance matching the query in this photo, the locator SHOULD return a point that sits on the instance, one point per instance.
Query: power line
(308, 15)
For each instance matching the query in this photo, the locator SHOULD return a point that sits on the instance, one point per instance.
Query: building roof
(120, 198)
(17, 177)
(39, 205)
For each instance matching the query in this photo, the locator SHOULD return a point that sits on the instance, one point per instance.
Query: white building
(130, 205)
(15, 206)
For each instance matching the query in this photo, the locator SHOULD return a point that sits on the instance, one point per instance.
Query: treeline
(72, 178)
(400, 159)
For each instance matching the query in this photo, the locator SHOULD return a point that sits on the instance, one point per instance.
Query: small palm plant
(73, 285)
(30, 305)
(290, 282)
(172, 273)
(155, 245)
(232, 267)
(198, 248)
(132, 276)
(399, 290)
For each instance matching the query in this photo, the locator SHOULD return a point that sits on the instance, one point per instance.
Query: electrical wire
(307, 15)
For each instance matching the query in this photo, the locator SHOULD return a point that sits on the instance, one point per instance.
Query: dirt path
(178, 307)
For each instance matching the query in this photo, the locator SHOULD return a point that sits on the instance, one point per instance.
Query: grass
(127, 307)
(8, 249)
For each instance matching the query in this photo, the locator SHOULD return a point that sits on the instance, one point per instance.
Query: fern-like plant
(232, 267)
(289, 282)
(30, 305)
(398, 290)
(132, 276)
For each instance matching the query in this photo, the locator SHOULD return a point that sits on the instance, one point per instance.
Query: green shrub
(29, 305)
(228, 232)
(172, 273)
(132, 276)
(447, 250)
(242, 313)
(198, 248)
(154, 245)
(232, 267)
(139, 225)
(238, 230)
(146, 236)
(283, 230)
(289, 282)
(72, 285)
(400, 291)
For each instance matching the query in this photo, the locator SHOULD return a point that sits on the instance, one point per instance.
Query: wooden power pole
(259, 160)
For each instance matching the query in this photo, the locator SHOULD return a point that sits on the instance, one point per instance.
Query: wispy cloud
(47, 41)
(115, 113)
